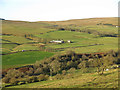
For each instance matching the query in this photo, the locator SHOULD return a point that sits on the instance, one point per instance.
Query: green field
(16, 39)
(82, 42)
(25, 47)
(22, 58)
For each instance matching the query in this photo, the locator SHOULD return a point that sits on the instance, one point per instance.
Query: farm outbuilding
(57, 41)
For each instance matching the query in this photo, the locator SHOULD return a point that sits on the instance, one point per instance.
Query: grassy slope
(87, 80)
(22, 58)
(81, 41)
(88, 21)
(20, 28)
(25, 47)
(16, 39)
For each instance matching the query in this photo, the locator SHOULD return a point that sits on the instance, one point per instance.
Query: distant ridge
(86, 21)
(2, 19)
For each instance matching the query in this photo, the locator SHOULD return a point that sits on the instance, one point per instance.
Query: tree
(107, 61)
(41, 77)
(37, 65)
(38, 71)
(64, 72)
(30, 72)
(14, 73)
(83, 64)
(84, 57)
(6, 80)
(13, 81)
(97, 63)
(55, 67)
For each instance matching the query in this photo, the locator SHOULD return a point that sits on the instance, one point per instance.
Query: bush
(30, 72)
(85, 70)
(83, 64)
(58, 76)
(41, 77)
(6, 80)
(13, 81)
(35, 79)
(71, 70)
(29, 80)
(38, 71)
(64, 72)
(12, 73)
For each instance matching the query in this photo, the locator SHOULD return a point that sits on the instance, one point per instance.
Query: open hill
(87, 21)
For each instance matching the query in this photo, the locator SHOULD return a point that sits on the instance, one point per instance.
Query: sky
(57, 10)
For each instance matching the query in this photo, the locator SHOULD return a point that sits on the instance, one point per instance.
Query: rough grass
(88, 21)
(85, 80)
(20, 28)
(9, 46)
(25, 47)
(21, 58)
(16, 39)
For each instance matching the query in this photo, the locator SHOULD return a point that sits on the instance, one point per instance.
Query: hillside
(79, 53)
(78, 80)
(87, 36)
(87, 22)
(84, 70)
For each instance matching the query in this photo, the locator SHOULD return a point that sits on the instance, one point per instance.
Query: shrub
(85, 70)
(83, 64)
(71, 70)
(30, 72)
(41, 77)
(58, 76)
(6, 80)
(84, 57)
(14, 81)
(64, 72)
(35, 79)
(38, 71)
(37, 65)
(13, 73)
(29, 80)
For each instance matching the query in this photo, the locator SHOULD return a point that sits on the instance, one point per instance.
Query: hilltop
(87, 21)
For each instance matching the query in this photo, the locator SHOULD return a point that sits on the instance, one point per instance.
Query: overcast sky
(57, 10)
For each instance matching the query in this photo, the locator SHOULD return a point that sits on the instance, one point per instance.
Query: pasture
(14, 39)
(82, 42)
(22, 58)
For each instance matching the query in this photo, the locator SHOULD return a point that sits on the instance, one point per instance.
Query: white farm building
(57, 41)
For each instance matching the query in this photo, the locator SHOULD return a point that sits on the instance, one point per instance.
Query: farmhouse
(57, 41)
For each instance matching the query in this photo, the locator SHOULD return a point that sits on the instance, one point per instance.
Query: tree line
(59, 64)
